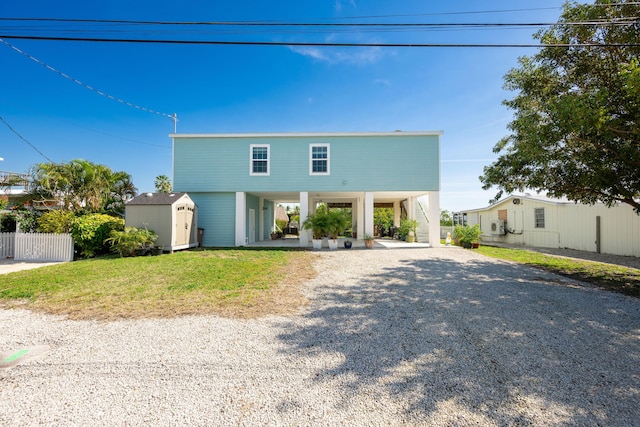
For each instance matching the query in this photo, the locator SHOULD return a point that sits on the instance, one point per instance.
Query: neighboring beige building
(173, 216)
(540, 221)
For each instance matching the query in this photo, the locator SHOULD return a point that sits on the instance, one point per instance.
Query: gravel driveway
(390, 337)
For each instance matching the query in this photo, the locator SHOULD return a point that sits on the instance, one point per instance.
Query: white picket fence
(46, 247)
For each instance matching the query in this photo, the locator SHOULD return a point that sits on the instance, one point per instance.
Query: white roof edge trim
(303, 134)
(526, 197)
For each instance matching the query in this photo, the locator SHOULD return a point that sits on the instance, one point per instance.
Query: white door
(252, 225)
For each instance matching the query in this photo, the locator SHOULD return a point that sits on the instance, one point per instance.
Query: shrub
(407, 225)
(23, 219)
(318, 222)
(8, 223)
(467, 235)
(126, 242)
(89, 232)
(281, 224)
(56, 222)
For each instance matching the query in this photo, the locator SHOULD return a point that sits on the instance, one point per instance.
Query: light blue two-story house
(237, 180)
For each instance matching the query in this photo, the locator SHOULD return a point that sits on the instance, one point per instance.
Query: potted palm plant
(318, 223)
(468, 236)
(336, 223)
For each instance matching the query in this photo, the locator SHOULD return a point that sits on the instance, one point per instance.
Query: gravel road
(391, 337)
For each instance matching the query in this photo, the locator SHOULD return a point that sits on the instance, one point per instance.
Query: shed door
(184, 222)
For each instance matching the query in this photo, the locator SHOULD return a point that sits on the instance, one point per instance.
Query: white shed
(173, 216)
(540, 221)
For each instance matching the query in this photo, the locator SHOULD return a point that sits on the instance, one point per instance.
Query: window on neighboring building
(319, 161)
(539, 214)
(259, 160)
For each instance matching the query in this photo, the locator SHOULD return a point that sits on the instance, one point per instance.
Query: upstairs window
(319, 161)
(539, 217)
(259, 160)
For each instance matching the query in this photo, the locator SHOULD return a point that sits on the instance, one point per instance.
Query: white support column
(241, 218)
(396, 213)
(434, 218)
(368, 213)
(304, 213)
(360, 215)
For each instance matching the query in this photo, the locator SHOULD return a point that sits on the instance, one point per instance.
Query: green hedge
(90, 232)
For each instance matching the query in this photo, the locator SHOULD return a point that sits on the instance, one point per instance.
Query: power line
(320, 24)
(24, 139)
(311, 44)
(91, 88)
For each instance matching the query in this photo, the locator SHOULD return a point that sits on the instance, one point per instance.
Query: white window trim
(311, 172)
(251, 147)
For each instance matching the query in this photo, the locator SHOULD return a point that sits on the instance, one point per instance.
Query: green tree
(383, 218)
(576, 130)
(163, 184)
(81, 187)
(446, 218)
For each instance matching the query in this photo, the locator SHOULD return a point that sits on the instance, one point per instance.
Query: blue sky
(237, 89)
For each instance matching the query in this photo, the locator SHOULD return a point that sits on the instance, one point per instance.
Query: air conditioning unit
(497, 227)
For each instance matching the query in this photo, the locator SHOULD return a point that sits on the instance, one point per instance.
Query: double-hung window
(319, 159)
(259, 160)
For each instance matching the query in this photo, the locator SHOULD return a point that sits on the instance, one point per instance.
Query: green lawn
(243, 283)
(231, 282)
(613, 277)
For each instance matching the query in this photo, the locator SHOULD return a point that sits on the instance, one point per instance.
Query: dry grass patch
(234, 283)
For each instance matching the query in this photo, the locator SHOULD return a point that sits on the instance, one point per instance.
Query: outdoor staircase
(420, 215)
(422, 232)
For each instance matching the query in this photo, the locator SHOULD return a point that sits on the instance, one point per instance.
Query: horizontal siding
(216, 214)
(357, 163)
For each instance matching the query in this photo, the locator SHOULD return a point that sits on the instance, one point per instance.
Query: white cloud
(335, 55)
(382, 82)
(338, 4)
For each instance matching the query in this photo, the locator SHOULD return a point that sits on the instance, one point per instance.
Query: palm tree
(163, 184)
(81, 186)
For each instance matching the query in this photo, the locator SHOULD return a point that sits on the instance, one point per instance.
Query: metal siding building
(592, 228)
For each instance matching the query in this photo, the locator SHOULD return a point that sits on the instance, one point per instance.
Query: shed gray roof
(156, 198)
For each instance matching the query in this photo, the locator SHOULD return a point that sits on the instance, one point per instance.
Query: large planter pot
(316, 243)
(410, 238)
(333, 244)
(141, 251)
(368, 244)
